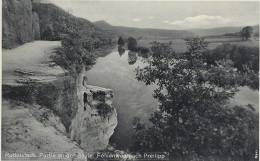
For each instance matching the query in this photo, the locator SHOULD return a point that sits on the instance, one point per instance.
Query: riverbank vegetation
(245, 59)
(195, 120)
(80, 48)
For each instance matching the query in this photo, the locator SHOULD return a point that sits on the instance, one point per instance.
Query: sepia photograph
(142, 80)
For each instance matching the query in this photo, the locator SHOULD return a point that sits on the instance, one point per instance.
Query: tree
(194, 119)
(48, 33)
(132, 44)
(246, 32)
(76, 52)
(121, 41)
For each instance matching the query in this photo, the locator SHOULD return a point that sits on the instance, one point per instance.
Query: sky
(165, 14)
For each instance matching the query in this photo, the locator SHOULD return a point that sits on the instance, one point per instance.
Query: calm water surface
(131, 98)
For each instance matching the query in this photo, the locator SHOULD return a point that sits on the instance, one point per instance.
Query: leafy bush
(79, 45)
(245, 59)
(76, 51)
(194, 120)
(241, 56)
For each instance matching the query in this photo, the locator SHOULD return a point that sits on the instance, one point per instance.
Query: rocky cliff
(95, 119)
(20, 23)
(40, 96)
(26, 20)
(45, 107)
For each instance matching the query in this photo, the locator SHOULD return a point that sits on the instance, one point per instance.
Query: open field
(180, 46)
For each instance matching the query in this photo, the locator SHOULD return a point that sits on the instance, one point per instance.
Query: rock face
(36, 26)
(95, 119)
(53, 98)
(27, 20)
(30, 76)
(40, 96)
(19, 23)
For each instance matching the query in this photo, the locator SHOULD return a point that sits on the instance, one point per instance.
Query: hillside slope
(54, 21)
(145, 33)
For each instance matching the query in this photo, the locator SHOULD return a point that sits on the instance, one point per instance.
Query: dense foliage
(78, 35)
(194, 120)
(132, 44)
(55, 21)
(246, 32)
(76, 51)
(244, 58)
(121, 41)
(80, 46)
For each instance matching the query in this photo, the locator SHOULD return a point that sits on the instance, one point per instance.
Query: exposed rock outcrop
(55, 98)
(19, 23)
(26, 20)
(36, 26)
(30, 76)
(29, 20)
(95, 119)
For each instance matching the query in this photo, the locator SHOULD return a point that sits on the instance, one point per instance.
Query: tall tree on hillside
(246, 32)
(194, 119)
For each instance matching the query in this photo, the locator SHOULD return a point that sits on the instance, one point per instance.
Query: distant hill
(220, 30)
(145, 33)
(148, 33)
(103, 24)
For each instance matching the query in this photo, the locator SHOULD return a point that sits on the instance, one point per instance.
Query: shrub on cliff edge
(76, 51)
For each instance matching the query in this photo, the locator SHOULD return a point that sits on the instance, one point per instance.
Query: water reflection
(131, 97)
(132, 57)
(121, 50)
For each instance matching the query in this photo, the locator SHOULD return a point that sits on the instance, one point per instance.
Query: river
(133, 98)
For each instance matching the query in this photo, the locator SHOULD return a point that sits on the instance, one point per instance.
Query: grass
(180, 46)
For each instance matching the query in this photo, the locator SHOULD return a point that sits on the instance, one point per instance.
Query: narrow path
(30, 61)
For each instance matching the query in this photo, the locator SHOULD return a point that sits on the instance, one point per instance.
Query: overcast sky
(169, 15)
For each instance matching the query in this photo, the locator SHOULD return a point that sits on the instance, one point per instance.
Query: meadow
(180, 46)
